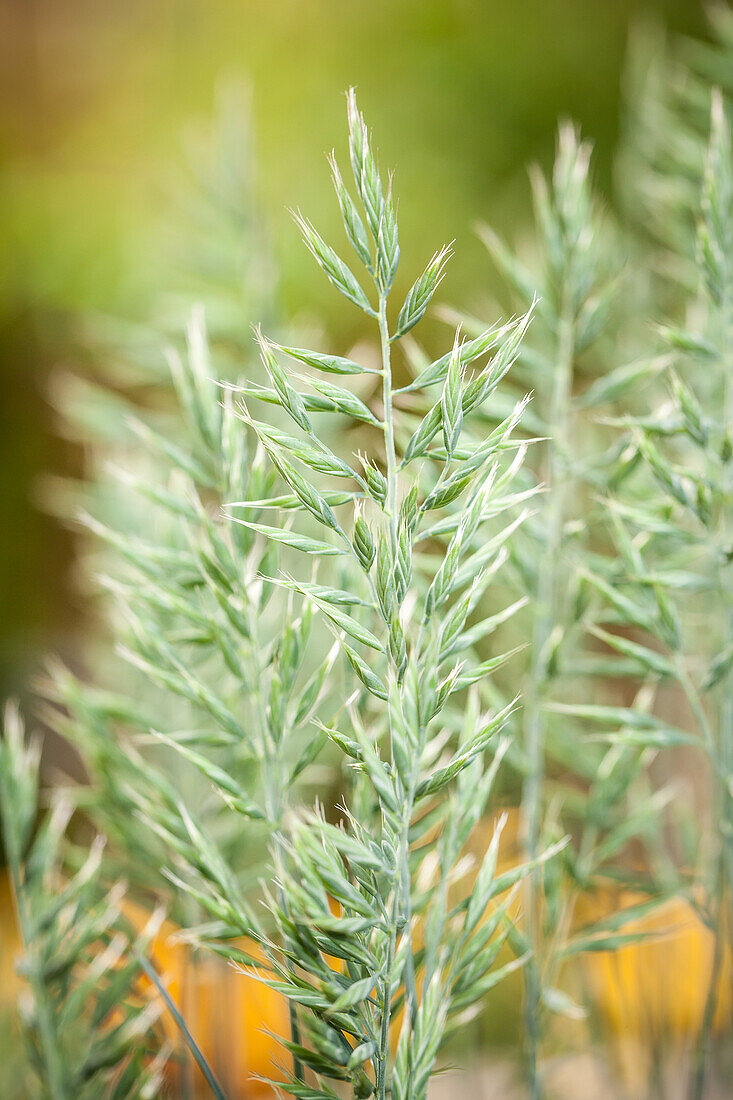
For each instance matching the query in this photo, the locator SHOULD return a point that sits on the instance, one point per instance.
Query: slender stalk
(402, 908)
(180, 1022)
(704, 1043)
(725, 747)
(389, 445)
(721, 762)
(386, 1005)
(534, 721)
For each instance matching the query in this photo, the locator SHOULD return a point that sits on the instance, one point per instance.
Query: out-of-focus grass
(465, 91)
(13, 1065)
(462, 93)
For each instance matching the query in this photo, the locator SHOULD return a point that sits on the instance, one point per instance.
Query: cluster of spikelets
(86, 1012)
(289, 609)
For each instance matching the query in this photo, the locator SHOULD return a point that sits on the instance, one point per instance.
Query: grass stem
(549, 564)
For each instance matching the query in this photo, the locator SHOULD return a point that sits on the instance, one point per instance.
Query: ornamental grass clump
(415, 538)
(332, 578)
(367, 655)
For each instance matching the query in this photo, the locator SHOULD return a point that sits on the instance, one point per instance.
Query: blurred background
(97, 101)
(101, 109)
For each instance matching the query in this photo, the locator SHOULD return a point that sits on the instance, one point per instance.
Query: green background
(460, 93)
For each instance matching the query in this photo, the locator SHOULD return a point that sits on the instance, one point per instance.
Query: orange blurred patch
(659, 985)
(228, 1013)
(652, 994)
(225, 1010)
(10, 946)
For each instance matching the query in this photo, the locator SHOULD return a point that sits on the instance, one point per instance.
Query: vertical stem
(704, 1043)
(534, 719)
(389, 446)
(722, 760)
(386, 1006)
(390, 509)
(725, 746)
(401, 908)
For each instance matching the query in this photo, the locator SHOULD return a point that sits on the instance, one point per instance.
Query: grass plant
(411, 723)
(316, 560)
(670, 590)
